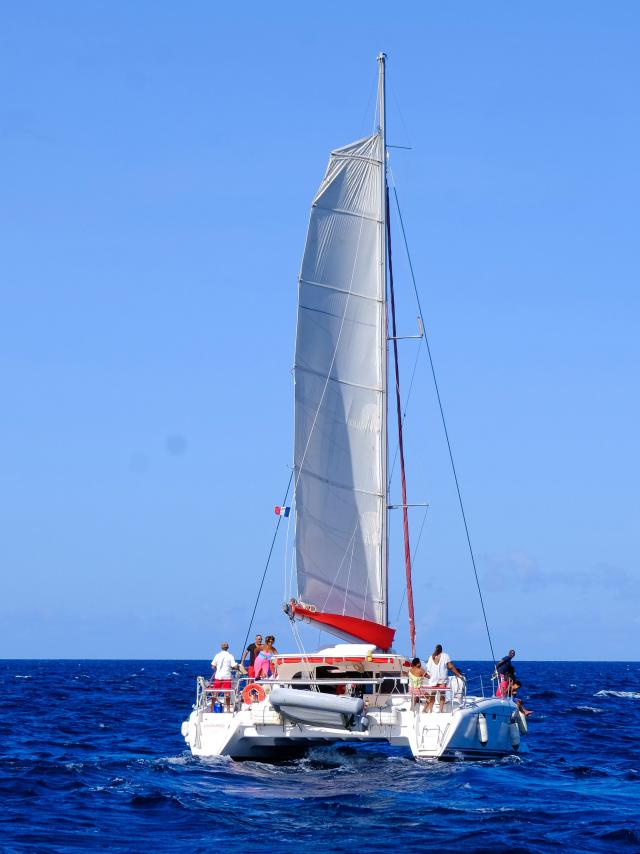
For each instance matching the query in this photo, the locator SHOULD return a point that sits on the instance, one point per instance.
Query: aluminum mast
(384, 545)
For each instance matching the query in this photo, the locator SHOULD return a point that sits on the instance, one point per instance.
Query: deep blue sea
(91, 757)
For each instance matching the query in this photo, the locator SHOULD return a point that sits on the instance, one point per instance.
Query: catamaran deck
(332, 697)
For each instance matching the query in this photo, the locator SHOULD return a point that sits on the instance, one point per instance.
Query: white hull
(260, 732)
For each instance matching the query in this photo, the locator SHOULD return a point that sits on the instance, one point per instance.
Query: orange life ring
(253, 693)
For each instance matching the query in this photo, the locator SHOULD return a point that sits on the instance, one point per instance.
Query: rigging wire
(291, 572)
(413, 558)
(405, 515)
(444, 423)
(303, 654)
(364, 122)
(287, 578)
(266, 567)
(404, 414)
(400, 113)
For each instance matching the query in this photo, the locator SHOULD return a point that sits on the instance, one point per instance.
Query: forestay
(340, 410)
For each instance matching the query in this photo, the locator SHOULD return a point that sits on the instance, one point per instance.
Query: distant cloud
(518, 571)
(139, 462)
(176, 445)
(513, 571)
(20, 125)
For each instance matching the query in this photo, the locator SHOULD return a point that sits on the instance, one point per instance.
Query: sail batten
(347, 213)
(330, 287)
(340, 407)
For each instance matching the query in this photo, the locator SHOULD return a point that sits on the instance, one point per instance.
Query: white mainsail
(340, 377)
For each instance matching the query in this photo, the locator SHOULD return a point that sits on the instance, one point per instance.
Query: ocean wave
(182, 759)
(586, 710)
(630, 695)
(587, 771)
(104, 762)
(154, 799)
(622, 834)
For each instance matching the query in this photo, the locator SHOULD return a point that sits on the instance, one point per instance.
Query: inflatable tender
(324, 710)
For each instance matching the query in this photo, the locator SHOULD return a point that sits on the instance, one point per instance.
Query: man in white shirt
(222, 665)
(437, 670)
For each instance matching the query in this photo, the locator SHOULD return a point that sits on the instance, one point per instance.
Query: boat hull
(260, 732)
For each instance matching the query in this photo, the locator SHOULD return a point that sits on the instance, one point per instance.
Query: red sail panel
(365, 631)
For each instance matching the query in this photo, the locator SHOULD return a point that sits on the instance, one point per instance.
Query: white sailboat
(356, 691)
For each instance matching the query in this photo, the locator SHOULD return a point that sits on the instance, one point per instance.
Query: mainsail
(340, 400)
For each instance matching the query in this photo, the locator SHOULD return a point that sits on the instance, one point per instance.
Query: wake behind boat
(358, 691)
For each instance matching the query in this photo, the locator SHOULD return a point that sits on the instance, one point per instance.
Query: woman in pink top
(262, 666)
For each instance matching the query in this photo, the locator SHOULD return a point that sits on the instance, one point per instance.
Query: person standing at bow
(506, 674)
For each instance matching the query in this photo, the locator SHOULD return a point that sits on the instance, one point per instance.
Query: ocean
(91, 757)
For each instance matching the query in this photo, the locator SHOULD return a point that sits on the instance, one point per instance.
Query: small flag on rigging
(282, 511)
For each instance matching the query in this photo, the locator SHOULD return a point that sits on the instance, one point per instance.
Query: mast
(386, 265)
(384, 543)
(403, 476)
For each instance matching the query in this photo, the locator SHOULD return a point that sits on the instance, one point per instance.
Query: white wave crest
(631, 695)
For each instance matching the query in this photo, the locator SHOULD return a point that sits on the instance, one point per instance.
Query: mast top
(381, 99)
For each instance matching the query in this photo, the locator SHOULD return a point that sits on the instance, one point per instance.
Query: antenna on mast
(382, 110)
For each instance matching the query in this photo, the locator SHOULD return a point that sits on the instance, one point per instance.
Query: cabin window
(392, 685)
(300, 675)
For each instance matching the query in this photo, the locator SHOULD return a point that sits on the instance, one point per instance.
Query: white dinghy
(355, 691)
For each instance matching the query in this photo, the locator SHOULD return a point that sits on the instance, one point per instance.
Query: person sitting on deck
(262, 668)
(416, 678)
(515, 685)
(222, 665)
(437, 666)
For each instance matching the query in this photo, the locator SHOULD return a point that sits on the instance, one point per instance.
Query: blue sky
(157, 162)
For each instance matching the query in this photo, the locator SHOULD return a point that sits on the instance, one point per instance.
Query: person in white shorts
(437, 669)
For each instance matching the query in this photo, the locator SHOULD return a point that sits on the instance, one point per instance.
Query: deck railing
(213, 699)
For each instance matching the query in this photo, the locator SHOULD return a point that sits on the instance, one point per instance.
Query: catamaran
(357, 690)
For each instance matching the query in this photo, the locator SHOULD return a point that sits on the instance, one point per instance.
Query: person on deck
(222, 665)
(252, 650)
(506, 674)
(416, 678)
(262, 667)
(437, 670)
(514, 689)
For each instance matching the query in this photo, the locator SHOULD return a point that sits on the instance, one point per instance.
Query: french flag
(282, 511)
